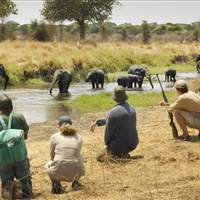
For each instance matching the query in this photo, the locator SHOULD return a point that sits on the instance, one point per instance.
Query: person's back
(121, 135)
(66, 147)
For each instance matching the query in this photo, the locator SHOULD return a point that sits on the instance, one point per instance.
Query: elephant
(141, 71)
(63, 78)
(4, 75)
(198, 63)
(170, 75)
(127, 80)
(96, 77)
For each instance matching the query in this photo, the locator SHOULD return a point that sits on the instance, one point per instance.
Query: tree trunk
(61, 32)
(82, 30)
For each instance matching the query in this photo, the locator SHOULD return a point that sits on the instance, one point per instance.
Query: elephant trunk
(150, 81)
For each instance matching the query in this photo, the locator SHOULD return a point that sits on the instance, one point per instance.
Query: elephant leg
(63, 88)
(130, 85)
(93, 85)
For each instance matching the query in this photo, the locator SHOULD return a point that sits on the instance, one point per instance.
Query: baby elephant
(96, 77)
(128, 80)
(170, 75)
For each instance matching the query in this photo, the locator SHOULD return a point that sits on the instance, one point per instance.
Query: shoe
(57, 187)
(77, 186)
(8, 191)
(183, 137)
(123, 156)
(57, 191)
(17, 193)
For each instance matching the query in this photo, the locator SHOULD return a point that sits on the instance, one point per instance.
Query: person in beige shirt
(66, 162)
(186, 109)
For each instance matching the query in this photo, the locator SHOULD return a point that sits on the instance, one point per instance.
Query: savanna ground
(163, 168)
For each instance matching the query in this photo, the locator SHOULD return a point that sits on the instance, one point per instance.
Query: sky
(131, 11)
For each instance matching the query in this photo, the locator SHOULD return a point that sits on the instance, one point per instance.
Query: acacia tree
(81, 11)
(7, 7)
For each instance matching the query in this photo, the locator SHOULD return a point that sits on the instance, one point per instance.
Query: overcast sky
(133, 12)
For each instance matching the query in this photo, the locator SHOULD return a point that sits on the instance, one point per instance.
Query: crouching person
(66, 163)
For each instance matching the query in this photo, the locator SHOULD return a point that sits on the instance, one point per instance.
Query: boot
(56, 187)
(76, 185)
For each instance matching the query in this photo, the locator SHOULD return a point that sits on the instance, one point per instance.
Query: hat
(64, 119)
(119, 94)
(180, 84)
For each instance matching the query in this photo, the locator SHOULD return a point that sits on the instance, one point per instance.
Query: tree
(7, 7)
(81, 11)
(146, 33)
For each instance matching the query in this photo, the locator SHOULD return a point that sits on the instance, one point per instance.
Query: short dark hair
(182, 90)
(6, 105)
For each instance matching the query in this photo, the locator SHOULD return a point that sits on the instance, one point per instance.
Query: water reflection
(38, 105)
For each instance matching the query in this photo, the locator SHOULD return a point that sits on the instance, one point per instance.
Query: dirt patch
(163, 168)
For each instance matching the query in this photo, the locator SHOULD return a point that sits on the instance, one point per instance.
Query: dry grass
(166, 168)
(29, 54)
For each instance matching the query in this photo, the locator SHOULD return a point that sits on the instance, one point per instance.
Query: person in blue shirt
(121, 135)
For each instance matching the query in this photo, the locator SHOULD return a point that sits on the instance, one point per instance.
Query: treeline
(106, 32)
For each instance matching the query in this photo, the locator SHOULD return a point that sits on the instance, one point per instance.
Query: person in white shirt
(66, 163)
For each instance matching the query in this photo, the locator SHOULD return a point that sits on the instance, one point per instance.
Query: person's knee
(177, 112)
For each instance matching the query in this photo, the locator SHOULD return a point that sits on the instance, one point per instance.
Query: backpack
(12, 144)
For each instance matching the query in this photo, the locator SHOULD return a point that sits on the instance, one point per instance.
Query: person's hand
(92, 127)
(163, 103)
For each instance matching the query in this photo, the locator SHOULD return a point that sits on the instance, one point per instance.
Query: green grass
(103, 102)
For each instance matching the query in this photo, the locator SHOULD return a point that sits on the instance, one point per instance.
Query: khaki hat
(180, 84)
(119, 94)
(64, 119)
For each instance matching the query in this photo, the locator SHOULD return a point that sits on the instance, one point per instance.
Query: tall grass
(18, 56)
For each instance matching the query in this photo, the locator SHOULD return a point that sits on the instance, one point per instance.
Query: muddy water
(38, 105)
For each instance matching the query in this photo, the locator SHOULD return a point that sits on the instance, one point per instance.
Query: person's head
(65, 125)
(119, 94)
(6, 105)
(181, 86)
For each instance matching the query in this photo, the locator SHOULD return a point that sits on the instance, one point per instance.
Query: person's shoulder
(55, 135)
(17, 115)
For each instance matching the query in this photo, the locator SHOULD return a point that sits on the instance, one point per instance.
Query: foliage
(145, 32)
(7, 7)
(35, 81)
(81, 11)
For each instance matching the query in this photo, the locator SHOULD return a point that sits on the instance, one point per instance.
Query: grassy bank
(41, 59)
(103, 102)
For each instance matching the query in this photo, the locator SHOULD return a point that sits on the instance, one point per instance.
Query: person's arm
(52, 154)
(97, 122)
(52, 149)
(109, 131)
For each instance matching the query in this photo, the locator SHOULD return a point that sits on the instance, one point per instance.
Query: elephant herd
(134, 78)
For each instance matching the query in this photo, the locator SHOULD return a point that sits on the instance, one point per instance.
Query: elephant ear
(145, 72)
(95, 73)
